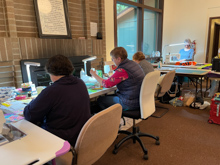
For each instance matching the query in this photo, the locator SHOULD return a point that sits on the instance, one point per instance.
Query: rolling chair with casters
(96, 136)
(163, 87)
(147, 108)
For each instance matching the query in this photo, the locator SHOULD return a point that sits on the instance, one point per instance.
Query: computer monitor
(216, 64)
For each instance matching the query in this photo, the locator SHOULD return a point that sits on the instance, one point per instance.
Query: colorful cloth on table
(12, 118)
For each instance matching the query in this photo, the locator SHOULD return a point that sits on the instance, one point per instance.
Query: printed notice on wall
(52, 17)
(93, 28)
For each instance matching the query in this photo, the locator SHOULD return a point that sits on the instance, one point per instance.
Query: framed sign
(52, 18)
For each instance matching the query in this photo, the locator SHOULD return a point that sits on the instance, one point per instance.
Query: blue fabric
(129, 89)
(64, 106)
(188, 55)
(107, 101)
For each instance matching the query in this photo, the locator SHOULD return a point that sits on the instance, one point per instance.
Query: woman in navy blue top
(63, 107)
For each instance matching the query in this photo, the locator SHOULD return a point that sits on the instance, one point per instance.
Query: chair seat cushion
(135, 114)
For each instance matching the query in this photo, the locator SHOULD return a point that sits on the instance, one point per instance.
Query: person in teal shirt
(187, 53)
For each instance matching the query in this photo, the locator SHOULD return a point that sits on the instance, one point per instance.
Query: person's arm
(38, 108)
(119, 76)
(93, 73)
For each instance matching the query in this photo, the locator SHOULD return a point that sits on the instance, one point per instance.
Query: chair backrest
(166, 83)
(97, 135)
(148, 87)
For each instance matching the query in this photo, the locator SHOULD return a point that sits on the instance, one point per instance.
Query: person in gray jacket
(139, 58)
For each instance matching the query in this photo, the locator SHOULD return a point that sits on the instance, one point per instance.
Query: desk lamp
(28, 64)
(85, 61)
(163, 51)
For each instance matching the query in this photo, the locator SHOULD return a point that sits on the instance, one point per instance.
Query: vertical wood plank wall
(19, 36)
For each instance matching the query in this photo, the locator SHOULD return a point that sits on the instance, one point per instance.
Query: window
(139, 25)
(152, 3)
(127, 28)
(150, 32)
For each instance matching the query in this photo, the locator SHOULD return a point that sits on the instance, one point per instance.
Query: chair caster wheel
(145, 157)
(157, 142)
(115, 151)
(210, 121)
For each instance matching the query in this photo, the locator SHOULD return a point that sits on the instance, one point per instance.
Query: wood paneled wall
(19, 36)
(2, 20)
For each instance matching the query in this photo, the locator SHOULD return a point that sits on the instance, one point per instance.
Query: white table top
(184, 71)
(37, 145)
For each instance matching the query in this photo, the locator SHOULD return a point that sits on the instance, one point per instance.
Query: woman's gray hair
(188, 41)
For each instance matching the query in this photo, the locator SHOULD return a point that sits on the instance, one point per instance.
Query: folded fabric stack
(6, 93)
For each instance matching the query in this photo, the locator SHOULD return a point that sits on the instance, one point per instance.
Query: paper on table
(15, 107)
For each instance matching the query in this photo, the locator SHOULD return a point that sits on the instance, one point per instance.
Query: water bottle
(82, 73)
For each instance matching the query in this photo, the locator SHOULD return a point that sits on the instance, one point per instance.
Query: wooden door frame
(209, 35)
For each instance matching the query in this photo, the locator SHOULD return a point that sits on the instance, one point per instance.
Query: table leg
(201, 87)
(206, 87)
(196, 88)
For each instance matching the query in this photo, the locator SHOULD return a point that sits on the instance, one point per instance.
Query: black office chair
(147, 108)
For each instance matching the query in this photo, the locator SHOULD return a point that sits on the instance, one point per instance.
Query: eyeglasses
(113, 58)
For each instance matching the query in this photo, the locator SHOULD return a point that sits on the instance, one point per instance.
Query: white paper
(52, 17)
(93, 28)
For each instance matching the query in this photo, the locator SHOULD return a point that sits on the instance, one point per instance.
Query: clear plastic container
(82, 73)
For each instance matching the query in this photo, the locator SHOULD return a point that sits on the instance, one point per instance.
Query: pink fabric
(119, 76)
(64, 149)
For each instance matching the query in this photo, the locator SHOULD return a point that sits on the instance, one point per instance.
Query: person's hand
(92, 72)
(178, 56)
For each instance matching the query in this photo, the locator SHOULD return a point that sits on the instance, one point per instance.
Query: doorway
(213, 39)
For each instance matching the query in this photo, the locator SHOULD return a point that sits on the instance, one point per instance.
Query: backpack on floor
(172, 93)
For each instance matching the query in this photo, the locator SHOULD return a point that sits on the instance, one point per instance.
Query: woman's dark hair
(139, 56)
(119, 52)
(59, 65)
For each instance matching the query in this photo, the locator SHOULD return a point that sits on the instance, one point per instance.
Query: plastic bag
(188, 98)
(214, 88)
(176, 102)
